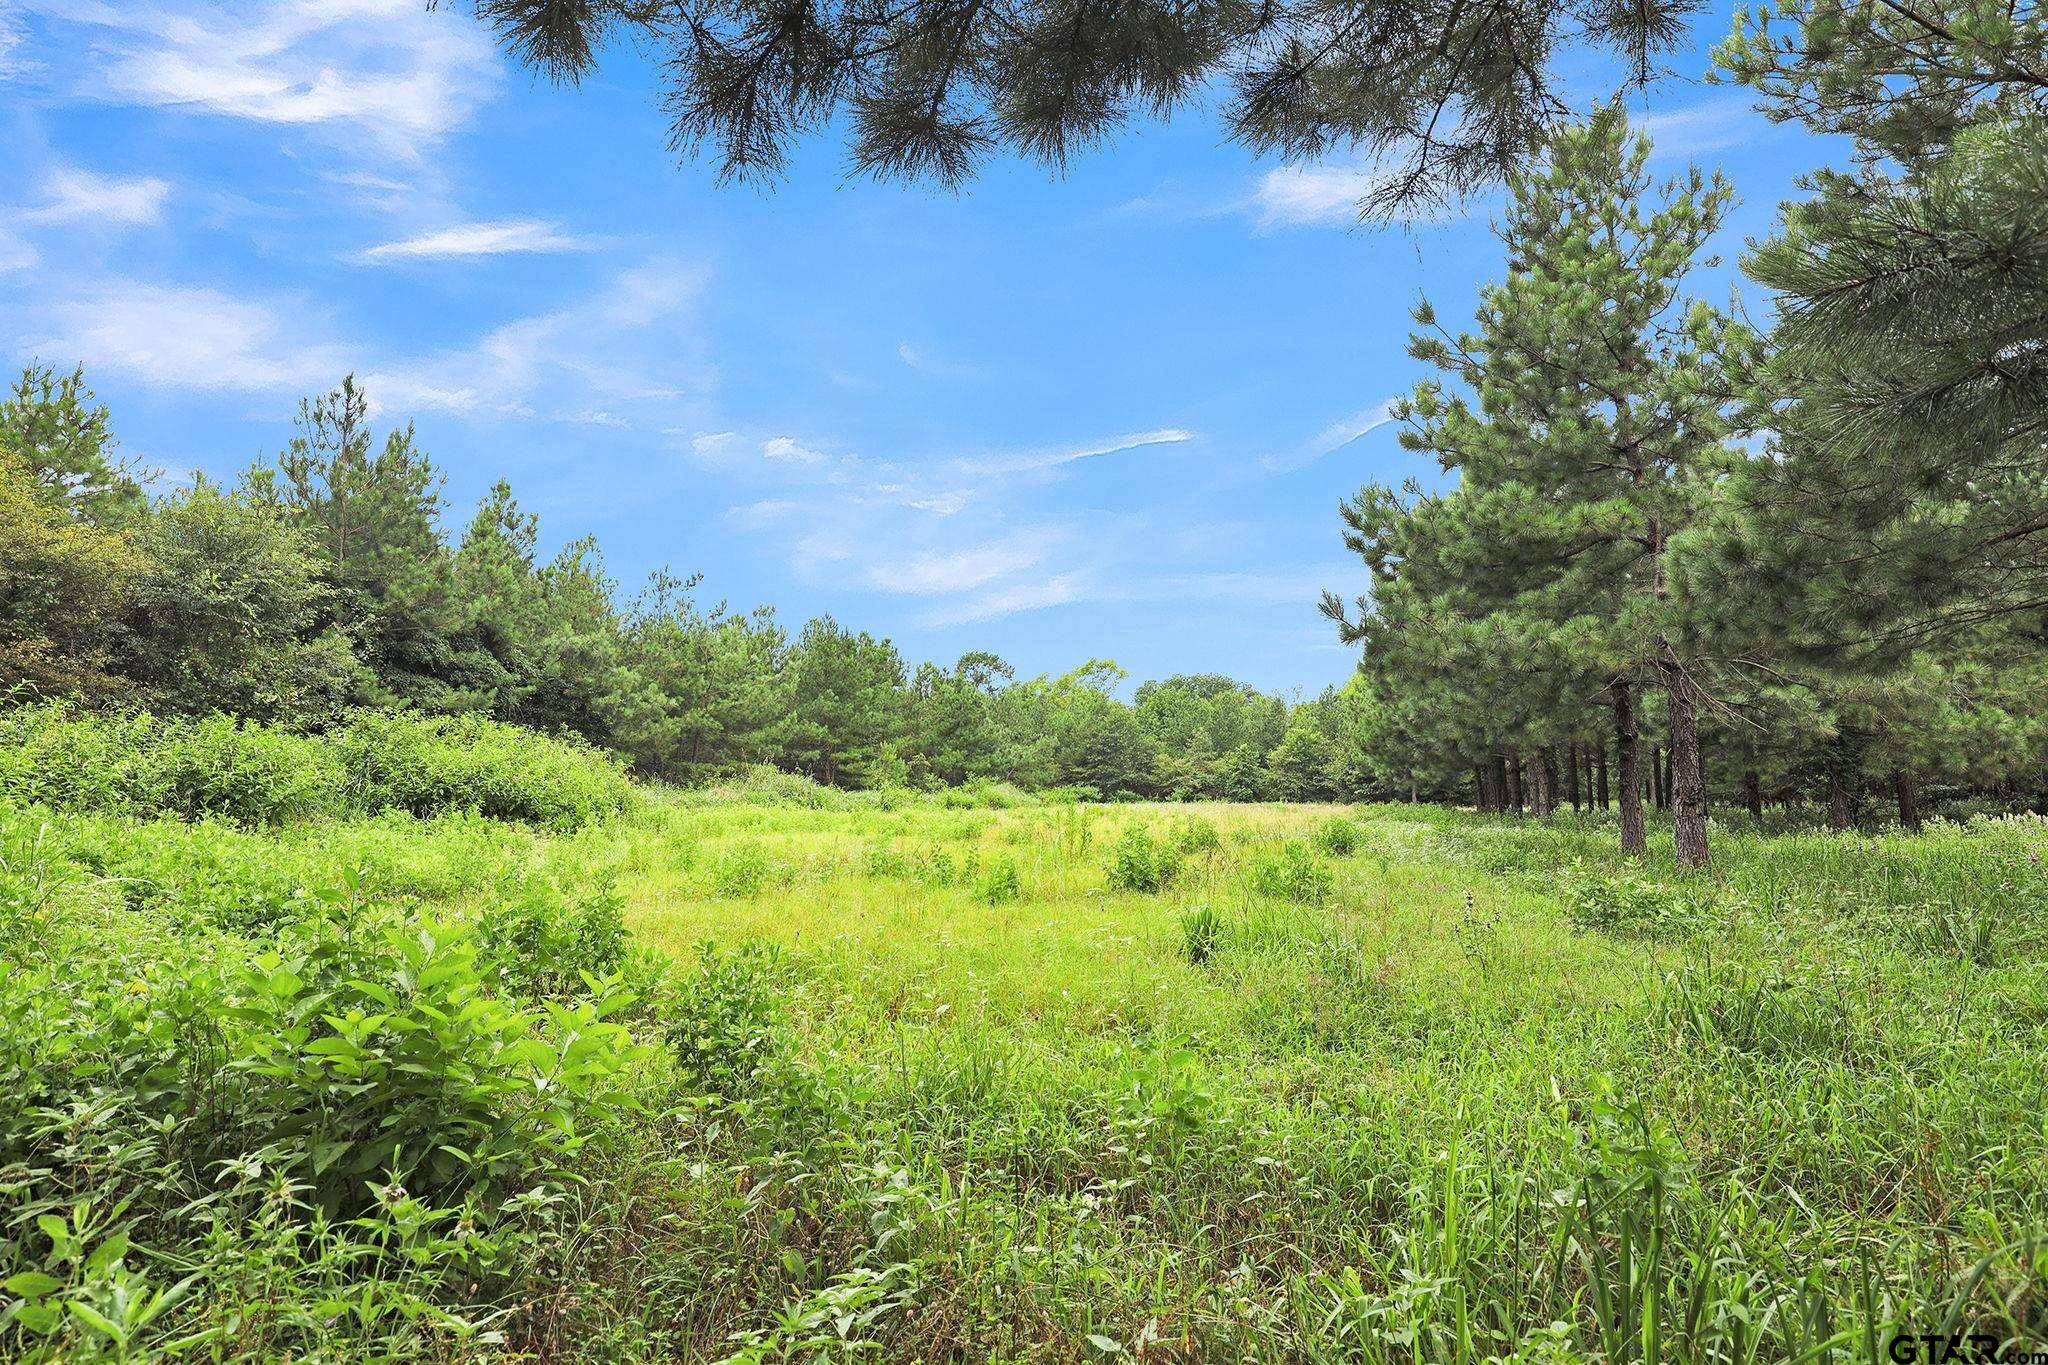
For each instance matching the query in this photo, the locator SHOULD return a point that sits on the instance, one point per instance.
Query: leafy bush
(739, 872)
(1338, 837)
(1193, 834)
(721, 1019)
(259, 775)
(545, 940)
(1001, 884)
(426, 764)
(1626, 905)
(1138, 862)
(1291, 872)
(140, 765)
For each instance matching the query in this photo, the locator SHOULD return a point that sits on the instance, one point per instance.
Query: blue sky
(1107, 414)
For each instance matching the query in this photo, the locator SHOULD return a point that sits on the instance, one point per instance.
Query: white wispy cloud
(1707, 126)
(1011, 599)
(940, 573)
(395, 71)
(788, 450)
(506, 237)
(1029, 461)
(12, 62)
(73, 194)
(15, 253)
(1312, 196)
(176, 336)
(1335, 436)
(632, 343)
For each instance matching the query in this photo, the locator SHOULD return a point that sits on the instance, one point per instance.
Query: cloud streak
(1334, 437)
(510, 236)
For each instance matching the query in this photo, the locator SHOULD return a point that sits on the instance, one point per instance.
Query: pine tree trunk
(1499, 768)
(1571, 772)
(1547, 758)
(1660, 786)
(1909, 800)
(1687, 795)
(1630, 778)
(1518, 796)
(1482, 799)
(1753, 794)
(1838, 796)
(1600, 773)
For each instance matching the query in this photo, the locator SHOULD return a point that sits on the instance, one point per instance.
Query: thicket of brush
(252, 774)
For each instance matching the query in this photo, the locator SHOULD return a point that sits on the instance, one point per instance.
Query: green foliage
(1138, 862)
(1190, 834)
(1338, 837)
(740, 872)
(1201, 930)
(428, 764)
(1291, 872)
(1627, 905)
(251, 774)
(722, 1018)
(1000, 884)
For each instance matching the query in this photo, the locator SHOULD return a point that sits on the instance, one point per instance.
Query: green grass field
(907, 1081)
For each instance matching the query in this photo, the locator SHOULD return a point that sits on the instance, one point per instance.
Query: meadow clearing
(777, 1073)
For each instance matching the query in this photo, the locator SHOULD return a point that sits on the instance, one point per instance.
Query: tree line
(326, 580)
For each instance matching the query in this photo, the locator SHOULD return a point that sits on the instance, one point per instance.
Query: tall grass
(1378, 1085)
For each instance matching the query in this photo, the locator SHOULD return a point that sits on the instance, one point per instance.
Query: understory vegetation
(777, 1072)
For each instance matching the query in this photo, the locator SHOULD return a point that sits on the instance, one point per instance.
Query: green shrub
(1001, 884)
(427, 764)
(1291, 872)
(259, 775)
(1138, 862)
(721, 1018)
(739, 872)
(544, 940)
(141, 765)
(384, 1054)
(1192, 834)
(1338, 837)
(1626, 905)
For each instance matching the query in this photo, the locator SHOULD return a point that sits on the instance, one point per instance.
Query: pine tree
(1589, 428)
(1908, 384)
(1458, 92)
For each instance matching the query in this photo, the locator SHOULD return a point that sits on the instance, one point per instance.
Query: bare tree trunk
(1571, 773)
(1687, 794)
(1838, 795)
(1481, 798)
(1660, 786)
(1546, 763)
(1629, 747)
(1518, 792)
(1600, 772)
(1908, 798)
(1753, 794)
